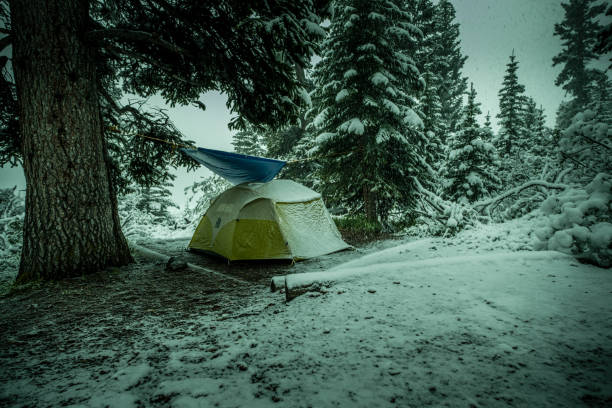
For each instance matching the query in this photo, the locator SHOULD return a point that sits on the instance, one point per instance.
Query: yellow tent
(280, 219)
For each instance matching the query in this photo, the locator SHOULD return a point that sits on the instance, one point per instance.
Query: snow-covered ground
(473, 320)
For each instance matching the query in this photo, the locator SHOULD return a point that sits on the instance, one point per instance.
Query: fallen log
(277, 283)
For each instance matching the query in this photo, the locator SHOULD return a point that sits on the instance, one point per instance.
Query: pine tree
(368, 130)
(248, 141)
(487, 123)
(535, 142)
(600, 97)
(578, 32)
(447, 66)
(471, 160)
(511, 102)
(604, 38)
(427, 59)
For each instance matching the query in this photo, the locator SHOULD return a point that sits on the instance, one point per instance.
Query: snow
(367, 47)
(306, 97)
(477, 319)
(280, 190)
(341, 95)
(324, 137)
(379, 79)
(377, 16)
(354, 126)
(319, 120)
(314, 28)
(391, 107)
(577, 221)
(403, 269)
(350, 73)
(413, 119)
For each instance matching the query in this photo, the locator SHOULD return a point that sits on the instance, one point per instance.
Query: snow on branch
(484, 204)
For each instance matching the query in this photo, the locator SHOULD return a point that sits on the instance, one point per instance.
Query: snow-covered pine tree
(511, 102)
(370, 135)
(471, 159)
(487, 123)
(585, 143)
(201, 194)
(447, 65)
(156, 200)
(600, 96)
(537, 150)
(248, 141)
(578, 32)
(604, 38)
(426, 58)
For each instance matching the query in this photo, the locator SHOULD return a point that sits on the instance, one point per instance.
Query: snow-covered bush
(578, 221)
(12, 211)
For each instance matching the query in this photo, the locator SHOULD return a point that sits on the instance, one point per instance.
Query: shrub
(358, 230)
(578, 222)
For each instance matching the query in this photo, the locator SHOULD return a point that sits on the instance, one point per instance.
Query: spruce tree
(427, 60)
(469, 169)
(248, 141)
(511, 102)
(447, 65)
(367, 128)
(578, 32)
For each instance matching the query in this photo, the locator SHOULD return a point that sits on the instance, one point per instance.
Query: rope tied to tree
(175, 147)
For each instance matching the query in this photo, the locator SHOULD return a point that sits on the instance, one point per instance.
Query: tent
(280, 219)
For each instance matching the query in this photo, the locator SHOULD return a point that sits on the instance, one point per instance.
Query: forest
(477, 244)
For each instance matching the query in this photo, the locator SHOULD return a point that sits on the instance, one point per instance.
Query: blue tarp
(237, 168)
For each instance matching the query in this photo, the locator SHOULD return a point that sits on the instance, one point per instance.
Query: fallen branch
(483, 205)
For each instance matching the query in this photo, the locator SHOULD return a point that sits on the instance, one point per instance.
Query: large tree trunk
(71, 225)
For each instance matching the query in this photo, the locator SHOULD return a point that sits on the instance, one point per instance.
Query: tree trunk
(369, 200)
(71, 225)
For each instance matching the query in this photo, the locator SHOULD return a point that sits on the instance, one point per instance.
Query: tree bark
(369, 200)
(71, 225)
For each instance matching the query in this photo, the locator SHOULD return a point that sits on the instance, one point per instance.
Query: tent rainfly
(280, 219)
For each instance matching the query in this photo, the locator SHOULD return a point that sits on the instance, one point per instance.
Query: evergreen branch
(136, 36)
(168, 69)
(567, 156)
(5, 42)
(595, 141)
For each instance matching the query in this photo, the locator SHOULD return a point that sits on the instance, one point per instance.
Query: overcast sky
(490, 30)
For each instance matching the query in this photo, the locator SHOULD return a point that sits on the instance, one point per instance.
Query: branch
(136, 36)
(115, 106)
(567, 156)
(533, 183)
(118, 51)
(595, 141)
(5, 42)
(563, 173)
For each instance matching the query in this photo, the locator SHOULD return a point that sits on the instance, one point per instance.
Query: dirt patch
(94, 319)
